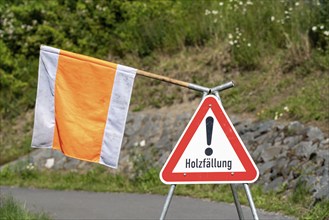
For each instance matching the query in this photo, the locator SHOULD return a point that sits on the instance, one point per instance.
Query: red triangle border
(250, 175)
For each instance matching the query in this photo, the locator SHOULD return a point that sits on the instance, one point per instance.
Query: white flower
(249, 44)
(249, 3)
(314, 28)
(221, 3)
(286, 108)
(321, 27)
(30, 166)
(207, 12)
(142, 143)
(297, 3)
(230, 36)
(326, 33)
(215, 21)
(214, 12)
(272, 18)
(231, 42)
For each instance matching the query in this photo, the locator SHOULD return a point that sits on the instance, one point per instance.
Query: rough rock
(285, 153)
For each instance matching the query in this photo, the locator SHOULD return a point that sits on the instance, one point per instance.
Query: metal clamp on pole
(199, 88)
(222, 87)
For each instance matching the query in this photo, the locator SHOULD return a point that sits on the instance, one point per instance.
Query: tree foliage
(99, 28)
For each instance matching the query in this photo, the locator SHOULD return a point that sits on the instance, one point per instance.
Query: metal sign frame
(215, 91)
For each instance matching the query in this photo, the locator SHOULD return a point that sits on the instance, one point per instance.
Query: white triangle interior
(223, 158)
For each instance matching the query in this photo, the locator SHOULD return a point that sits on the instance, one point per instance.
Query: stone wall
(286, 154)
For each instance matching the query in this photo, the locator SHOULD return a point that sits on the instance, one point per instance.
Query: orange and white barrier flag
(81, 105)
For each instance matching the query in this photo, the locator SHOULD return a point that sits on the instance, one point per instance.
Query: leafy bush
(251, 31)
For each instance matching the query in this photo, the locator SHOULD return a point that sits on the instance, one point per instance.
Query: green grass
(298, 203)
(262, 93)
(12, 210)
(303, 98)
(15, 137)
(15, 151)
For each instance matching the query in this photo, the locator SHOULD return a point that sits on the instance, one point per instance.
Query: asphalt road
(91, 205)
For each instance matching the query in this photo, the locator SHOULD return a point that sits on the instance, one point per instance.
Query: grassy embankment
(276, 53)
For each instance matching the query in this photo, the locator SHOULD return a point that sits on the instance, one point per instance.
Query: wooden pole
(173, 81)
(186, 84)
(163, 78)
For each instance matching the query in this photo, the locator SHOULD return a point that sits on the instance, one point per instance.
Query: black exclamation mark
(209, 126)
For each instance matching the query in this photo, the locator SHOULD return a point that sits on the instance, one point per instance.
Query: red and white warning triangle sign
(209, 150)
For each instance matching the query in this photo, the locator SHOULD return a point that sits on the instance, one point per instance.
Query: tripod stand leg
(251, 202)
(167, 203)
(236, 201)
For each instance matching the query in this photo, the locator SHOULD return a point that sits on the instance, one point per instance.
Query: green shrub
(252, 30)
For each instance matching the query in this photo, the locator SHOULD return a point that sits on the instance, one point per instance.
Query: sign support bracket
(215, 91)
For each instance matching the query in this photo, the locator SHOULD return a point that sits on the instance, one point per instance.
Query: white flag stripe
(44, 123)
(117, 115)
